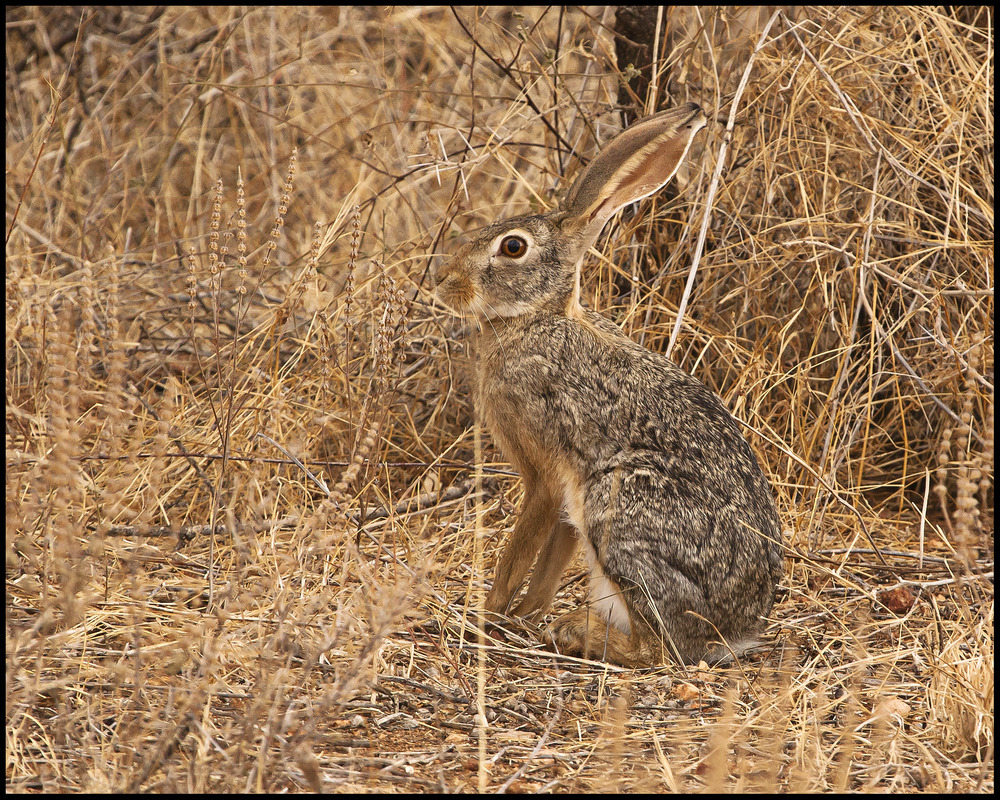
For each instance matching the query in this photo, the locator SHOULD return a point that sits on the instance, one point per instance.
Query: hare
(619, 449)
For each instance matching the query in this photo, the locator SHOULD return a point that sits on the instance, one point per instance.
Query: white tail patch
(605, 596)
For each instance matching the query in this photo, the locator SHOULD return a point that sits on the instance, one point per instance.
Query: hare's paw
(569, 633)
(583, 633)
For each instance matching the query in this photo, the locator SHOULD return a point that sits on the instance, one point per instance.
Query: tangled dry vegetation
(247, 517)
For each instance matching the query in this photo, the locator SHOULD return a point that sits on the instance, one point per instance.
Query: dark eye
(513, 246)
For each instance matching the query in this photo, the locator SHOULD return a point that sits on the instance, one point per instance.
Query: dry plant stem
(714, 185)
(506, 69)
(574, 118)
(717, 760)
(190, 457)
(309, 474)
(336, 498)
(478, 573)
(775, 442)
(654, 82)
(902, 359)
(874, 144)
(862, 288)
(57, 93)
(554, 718)
(863, 303)
(986, 577)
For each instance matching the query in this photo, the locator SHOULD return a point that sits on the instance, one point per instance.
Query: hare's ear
(633, 165)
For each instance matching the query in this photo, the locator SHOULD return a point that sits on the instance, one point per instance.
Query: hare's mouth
(460, 297)
(456, 292)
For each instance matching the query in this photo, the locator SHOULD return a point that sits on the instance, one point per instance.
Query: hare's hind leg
(534, 525)
(585, 633)
(549, 567)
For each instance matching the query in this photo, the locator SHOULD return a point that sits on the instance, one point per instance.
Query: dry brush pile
(249, 515)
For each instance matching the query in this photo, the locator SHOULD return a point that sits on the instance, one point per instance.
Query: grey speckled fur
(645, 462)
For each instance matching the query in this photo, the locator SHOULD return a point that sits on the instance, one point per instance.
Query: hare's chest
(519, 417)
(505, 418)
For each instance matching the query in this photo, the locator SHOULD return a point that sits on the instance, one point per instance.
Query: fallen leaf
(686, 692)
(892, 709)
(898, 600)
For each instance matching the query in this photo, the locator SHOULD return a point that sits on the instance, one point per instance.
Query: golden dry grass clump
(247, 519)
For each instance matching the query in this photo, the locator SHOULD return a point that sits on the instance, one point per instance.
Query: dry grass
(243, 510)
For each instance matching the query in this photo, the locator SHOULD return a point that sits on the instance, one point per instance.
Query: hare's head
(526, 264)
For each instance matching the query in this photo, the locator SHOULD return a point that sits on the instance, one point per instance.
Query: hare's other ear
(633, 165)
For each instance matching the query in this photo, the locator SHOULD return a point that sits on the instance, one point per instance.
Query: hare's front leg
(533, 526)
(551, 564)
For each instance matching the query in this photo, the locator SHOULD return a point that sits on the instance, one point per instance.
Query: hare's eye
(513, 246)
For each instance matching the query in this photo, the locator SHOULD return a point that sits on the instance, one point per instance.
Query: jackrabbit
(647, 466)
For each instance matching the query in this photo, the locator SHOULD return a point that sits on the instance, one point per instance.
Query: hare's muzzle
(452, 283)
